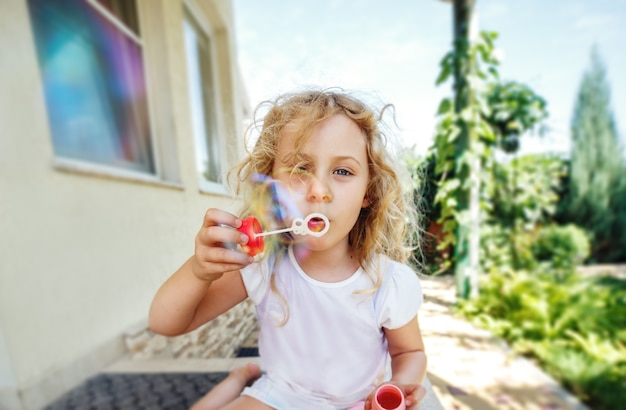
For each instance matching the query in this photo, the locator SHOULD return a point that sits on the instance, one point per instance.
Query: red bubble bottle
(388, 397)
(252, 227)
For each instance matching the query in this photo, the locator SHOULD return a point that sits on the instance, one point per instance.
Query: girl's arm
(408, 361)
(208, 283)
(185, 302)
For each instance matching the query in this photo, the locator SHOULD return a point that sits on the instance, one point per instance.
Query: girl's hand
(413, 394)
(212, 257)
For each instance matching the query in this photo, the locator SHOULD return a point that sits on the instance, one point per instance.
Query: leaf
(445, 106)
(446, 68)
(494, 72)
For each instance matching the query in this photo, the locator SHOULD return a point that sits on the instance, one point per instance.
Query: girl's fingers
(220, 255)
(214, 216)
(216, 235)
(211, 262)
(216, 249)
(414, 395)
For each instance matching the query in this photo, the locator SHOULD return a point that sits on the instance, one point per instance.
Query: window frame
(92, 168)
(191, 11)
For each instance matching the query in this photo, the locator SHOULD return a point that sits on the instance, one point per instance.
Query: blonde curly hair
(388, 226)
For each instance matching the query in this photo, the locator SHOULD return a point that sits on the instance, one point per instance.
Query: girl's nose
(318, 191)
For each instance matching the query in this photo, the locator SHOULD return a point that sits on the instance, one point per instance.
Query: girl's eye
(343, 172)
(298, 169)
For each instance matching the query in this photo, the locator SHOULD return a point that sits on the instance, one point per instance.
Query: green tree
(513, 109)
(618, 229)
(498, 113)
(596, 164)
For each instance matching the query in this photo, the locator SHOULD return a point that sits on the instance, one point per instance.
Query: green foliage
(531, 296)
(573, 325)
(550, 247)
(460, 125)
(617, 231)
(598, 381)
(523, 196)
(597, 166)
(501, 249)
(512, 109)
(563, 247)
(525, 190)
(422, 169)
(492, 114)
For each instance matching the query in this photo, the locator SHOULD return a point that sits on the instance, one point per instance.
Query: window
(90, 56)
(203, 104)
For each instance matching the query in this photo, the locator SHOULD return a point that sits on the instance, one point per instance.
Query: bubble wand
(314, 224)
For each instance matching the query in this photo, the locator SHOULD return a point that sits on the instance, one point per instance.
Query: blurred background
(121, 118)
(393, 52)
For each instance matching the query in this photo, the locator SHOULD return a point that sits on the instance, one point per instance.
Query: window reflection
(202, 96)
(94, 83)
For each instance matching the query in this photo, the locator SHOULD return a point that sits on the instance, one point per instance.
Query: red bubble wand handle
(314, 224)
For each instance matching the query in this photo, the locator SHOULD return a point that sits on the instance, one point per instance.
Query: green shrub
(495, 249)
(550, 247)
(563, 247)
(573, 325)
(598, 382)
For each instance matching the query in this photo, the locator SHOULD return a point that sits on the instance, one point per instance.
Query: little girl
(337, 313)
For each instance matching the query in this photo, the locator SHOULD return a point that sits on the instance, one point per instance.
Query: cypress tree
(596, 160)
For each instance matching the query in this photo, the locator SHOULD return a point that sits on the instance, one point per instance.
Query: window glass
(124, 10)
(94, 82)
(202, 95)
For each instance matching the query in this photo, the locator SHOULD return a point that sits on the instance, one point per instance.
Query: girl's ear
(366, 203)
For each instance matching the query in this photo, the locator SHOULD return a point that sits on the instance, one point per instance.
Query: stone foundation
(219, 338)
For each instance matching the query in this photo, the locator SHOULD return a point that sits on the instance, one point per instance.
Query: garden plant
(530, 292)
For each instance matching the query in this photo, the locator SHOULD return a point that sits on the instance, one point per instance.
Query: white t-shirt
(332, 345)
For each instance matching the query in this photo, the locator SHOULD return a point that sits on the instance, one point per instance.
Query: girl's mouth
(316, 224)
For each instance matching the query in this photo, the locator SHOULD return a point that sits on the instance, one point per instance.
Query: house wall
(83, 249)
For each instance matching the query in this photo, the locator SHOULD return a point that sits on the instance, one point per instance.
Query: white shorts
(281, 398)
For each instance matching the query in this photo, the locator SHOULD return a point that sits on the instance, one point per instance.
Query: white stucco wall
(83, 254)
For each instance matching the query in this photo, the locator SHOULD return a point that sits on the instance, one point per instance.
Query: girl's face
(329, 175)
